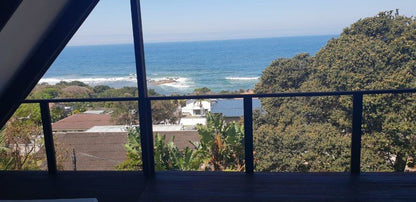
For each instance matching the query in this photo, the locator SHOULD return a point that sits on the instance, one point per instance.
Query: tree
(21, 140)
(202, 91)
(100, 88)
(373, 53)
(124, 113)
(75, 92)
(165, 111)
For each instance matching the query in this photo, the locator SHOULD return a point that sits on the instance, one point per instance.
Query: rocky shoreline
(162, 81)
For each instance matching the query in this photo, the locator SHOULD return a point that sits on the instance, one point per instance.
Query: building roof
(232, 107)
(93, 151)
(163, 128)
(94, 112)
(105, 150)
(124, 128)
(106, 129)
(81, 122)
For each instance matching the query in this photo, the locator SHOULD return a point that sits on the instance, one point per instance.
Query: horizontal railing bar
(227, 96)
(83, 100)
(292, 94)
(317, 94)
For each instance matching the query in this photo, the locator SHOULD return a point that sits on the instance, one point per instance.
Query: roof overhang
(33, 34)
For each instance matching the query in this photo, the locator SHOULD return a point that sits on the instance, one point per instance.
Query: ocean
(180, 67)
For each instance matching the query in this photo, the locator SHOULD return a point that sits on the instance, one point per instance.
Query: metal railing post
(248, 134)
(48, 137)
(145, 110)
(356, 133)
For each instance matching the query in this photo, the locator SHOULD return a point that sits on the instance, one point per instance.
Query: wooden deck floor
(198, 186)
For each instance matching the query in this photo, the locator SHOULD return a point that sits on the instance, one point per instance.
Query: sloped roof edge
(46, 51)
(7, 8)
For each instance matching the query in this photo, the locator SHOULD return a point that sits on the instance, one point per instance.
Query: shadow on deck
(203, 186)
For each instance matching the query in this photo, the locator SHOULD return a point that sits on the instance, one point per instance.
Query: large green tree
(373, 53)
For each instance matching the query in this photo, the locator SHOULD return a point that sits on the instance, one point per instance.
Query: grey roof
(232, 107)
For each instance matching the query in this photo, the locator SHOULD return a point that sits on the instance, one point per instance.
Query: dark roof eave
(74, 14)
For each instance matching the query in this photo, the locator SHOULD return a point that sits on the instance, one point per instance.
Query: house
(232, 109)
(194, 113)
(196, 108)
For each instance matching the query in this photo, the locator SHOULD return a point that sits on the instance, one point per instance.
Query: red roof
(94, 151)
(104, 151)
(80, 122)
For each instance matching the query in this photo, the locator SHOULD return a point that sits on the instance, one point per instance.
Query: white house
(196, 108)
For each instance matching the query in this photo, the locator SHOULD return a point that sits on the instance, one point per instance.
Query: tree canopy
(313, 134)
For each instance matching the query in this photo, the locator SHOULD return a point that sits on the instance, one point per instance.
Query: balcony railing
(146, 123)
(145, 110)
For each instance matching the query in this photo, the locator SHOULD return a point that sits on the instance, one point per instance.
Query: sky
(196, 20)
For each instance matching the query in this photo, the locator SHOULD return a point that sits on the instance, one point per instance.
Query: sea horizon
(205, 40)
(180, 67)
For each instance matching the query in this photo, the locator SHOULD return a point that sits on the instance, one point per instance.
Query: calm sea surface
(218, 65)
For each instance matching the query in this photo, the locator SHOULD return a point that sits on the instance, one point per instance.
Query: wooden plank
(105, 186)
(209, 186)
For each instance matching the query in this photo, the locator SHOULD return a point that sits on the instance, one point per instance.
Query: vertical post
(74, 159)
(356, 133)
(145, 111)
(48, 137)
(248, 134)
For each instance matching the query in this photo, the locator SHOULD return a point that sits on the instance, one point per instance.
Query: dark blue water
(218, 65)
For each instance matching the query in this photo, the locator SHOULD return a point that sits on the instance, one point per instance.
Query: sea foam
(90, 81)
(175, 82)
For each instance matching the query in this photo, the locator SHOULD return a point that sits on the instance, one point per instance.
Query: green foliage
(220, 148)
(285, 74)
(315, 147)
(373, 53)
(21, 139)
(57, 113)
(123, 112)
(202, 91)
(165, 111)
(134, 151)
(44, 92)
(169, 157)
(100, 89)
(221, 144)
(75, 92)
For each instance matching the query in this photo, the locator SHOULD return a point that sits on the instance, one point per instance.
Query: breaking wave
(90, 81)
(173, 82)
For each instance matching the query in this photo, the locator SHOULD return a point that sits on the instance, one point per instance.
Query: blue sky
(194, 20)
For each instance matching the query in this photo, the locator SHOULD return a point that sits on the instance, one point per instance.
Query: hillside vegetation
(314, 134)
